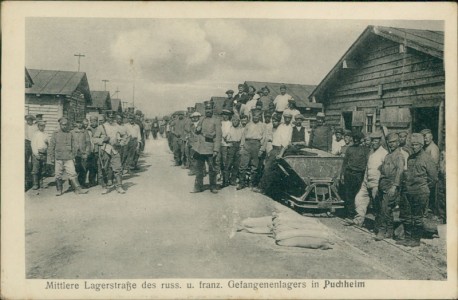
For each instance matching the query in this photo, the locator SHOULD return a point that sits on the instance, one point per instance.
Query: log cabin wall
(385, 75)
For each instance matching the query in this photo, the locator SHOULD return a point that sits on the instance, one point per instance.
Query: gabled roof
(101, 99)
(300, 92)
(28, 79)
(425, 41)
(51, 82)
(218, 104)
(116, 104)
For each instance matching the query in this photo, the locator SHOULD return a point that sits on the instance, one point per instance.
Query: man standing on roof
(281, 101)
(292, 109)
(266, 100)
(207, 147)
(242, 96)
(321, 136)
(229, 102)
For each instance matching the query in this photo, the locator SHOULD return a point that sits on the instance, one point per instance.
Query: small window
(369, 123)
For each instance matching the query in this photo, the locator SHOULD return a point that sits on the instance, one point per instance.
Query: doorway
(426, 118)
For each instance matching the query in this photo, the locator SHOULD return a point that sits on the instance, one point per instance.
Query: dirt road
(160, 230)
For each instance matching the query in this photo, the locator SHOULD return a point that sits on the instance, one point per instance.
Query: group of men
(242, 145)
(91, 152)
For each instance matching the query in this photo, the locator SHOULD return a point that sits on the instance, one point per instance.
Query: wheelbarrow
(310, 179)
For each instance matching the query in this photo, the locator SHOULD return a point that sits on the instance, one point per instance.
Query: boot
(76, 187)
(36, 185)
(105, 190)
(380, 235)
(407, 236)
(59, 187)
(198, 185)
(119, 187)
(416, 236)
(213, 186)
(241, 184)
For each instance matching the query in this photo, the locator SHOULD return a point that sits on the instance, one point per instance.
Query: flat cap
(283, 86)
(320, 115)
(292, 101)
(276, 117)
(393, 136)
(357, 135)
(93, 117)
(39, 116)
(229, 92)
(195, 114)
(41, 122)
(30, 117)
(347, 133)
(299, 117)
(376, 135)
(425, 131)
(417, 138)
(287, 115)
(226, 112)
(243, 117)
(62, 120)
(266, 88)
(339, 130)
(403, 133)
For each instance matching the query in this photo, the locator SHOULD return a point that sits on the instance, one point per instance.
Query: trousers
(178, 150)
(107, 164)
(353, 181)
(249, 160)
(201, 159)
(231, 165)
(362, 200)
(81, 169)
(384, 205)
(412, 207)
(92, 167)
(67, 166)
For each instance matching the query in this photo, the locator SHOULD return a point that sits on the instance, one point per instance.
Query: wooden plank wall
(386, 77)
(46, 105)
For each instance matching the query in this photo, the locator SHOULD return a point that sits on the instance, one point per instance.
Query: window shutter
(395, 117)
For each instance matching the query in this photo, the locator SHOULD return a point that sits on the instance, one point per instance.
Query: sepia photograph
(236, 153)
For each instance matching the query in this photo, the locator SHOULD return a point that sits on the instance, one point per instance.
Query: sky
(174, 63)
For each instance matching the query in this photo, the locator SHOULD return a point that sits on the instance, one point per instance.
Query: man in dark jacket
(353, 169)
(321, 135)
(83, 148)
(419, 178)
(62, 152)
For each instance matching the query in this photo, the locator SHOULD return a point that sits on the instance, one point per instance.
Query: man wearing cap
(133, 143)
(192, 139)
(83, 148)
(178, 140)
(269, 132)
(281, 101)
(229, 101)
(299, 135)
(225, 125)
(250, 105)
(155, 127)
(207, 146)
(433, 151)
(62, 151)
(338, 141)
(369, 187)
(419, 178)
(242, 96)
(266, 101)
(232, 138)
(39, 143)
(353, 169)
(252, 146)
(139, 122)
(348, 139)
(405, 149)
(30, 129)
(107, 137)
(187, 134)
(321, 136)
(123, 141)
(391, 172)
(292, 110)
(281, 139)
(93, 156)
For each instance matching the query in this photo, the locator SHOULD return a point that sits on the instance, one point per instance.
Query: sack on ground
(306, 242)
(284, 235)
(258, 222)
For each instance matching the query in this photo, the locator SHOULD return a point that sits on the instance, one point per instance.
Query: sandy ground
(158, 229)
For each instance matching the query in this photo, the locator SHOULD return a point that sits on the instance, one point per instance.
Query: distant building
(116, 105)
(28, 79)
(101, 102)
(200, 108)
(57, 94)
(390, 77)
(218, 103)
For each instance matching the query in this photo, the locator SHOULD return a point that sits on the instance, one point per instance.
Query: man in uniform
(92, 158)
(187, 134)
(30, 129)
(369, 187)
(40, 141)
(83, 148)
(225, 125)
(353, 169)
(232, 138)
(229, 101)
(433, 151)
(133, 144)
(321, 136)
(192, 139)
(207, 146)
(178, 140)
(124, 140)
(252, 146)
(107, 137)
(62, 151)
(420, 176)
(391, 171)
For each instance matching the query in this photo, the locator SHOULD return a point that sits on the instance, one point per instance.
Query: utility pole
(116, 92)
(79, 55)
(105, 82)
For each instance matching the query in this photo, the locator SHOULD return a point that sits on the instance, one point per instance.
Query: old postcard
(228, 150)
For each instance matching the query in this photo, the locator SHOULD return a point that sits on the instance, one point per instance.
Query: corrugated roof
(218, 104)
(426, 41)
(28, 79)
(300, 92)
(49, 82)
(100, 99)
